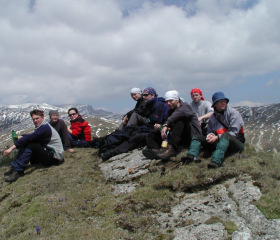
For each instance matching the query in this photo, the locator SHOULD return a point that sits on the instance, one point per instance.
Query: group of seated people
(48, 141)
(216, 127)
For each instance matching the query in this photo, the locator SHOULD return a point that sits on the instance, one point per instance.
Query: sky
(94, 52)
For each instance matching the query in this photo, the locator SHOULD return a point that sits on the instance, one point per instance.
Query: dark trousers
(136, 141)
(227, 144)
(76, 142)
(34, 153)
(179, 136)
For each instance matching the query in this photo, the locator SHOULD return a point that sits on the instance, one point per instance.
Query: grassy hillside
(74, 201)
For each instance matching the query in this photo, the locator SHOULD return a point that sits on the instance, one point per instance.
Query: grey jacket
(232, 123)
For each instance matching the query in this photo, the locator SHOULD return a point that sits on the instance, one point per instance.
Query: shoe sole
(197, 160)
(149, 154)
(213, 166)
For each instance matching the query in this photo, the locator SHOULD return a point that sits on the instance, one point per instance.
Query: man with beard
(181, 124)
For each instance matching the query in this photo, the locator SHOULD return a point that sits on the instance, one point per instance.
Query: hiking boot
(14, 176)
(107, 155)
(189, 158)
(151, 153)
(213, 165)
(95, 142)
(9, 172)
(168, 153)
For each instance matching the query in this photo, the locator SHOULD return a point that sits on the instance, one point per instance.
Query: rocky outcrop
(123, 168)
(225, 210)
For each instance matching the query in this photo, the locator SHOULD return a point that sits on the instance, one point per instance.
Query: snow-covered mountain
(17, 116)
(262, 124)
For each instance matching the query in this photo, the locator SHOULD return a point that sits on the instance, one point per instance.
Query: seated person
(43, 146)
(136, 95)
(225, 133)
(181, 123)
(79, 131)
(152, 111)
(60, 126)
(202, 108)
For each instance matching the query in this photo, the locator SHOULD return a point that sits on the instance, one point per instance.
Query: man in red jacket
(79, 131)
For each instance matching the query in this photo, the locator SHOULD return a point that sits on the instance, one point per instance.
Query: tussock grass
(74, 201)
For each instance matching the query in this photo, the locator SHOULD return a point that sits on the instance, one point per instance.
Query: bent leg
(22, 159)
(180, 135)
(195, 146)
(226, 143)
(75, 142)
(136, 120)
(153, 140)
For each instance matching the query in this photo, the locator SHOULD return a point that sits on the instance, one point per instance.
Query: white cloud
(71, 51)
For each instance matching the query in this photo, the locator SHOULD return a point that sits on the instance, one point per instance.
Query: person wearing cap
(60, 126)
(136, 95)
(79, 130)
(152, 111)
(202, 108)
(43, 146)
(225, 133)
(182, 123)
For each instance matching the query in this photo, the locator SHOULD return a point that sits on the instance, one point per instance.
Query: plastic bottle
(164, 143)
(14, 136)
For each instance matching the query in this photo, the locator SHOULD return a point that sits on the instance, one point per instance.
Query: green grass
(74, 201)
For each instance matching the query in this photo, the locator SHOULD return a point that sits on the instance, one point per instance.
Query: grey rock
(125, 167)
(202, 232)
(202, 215)
(227, 202)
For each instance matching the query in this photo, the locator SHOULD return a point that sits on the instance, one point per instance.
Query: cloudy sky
(95, 51)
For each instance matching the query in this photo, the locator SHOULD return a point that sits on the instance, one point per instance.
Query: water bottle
(14, 136)
(164, 143)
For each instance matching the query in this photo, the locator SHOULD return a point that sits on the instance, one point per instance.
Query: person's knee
(32, 146)
(198, 138)
(226, 136)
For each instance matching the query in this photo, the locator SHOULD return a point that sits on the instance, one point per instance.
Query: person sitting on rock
(225, 133)
(202, 108)
(181, 124)
(79, 130)
(136, 95)
(153, 111)
(43, 146)
(60, 126)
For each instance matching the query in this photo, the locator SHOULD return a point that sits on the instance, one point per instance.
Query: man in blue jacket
(43, 146)
(152, 111)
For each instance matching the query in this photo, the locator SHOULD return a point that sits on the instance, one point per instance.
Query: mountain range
(262, 124)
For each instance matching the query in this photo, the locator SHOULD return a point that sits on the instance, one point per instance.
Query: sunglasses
(145, 95)
(70, 115)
